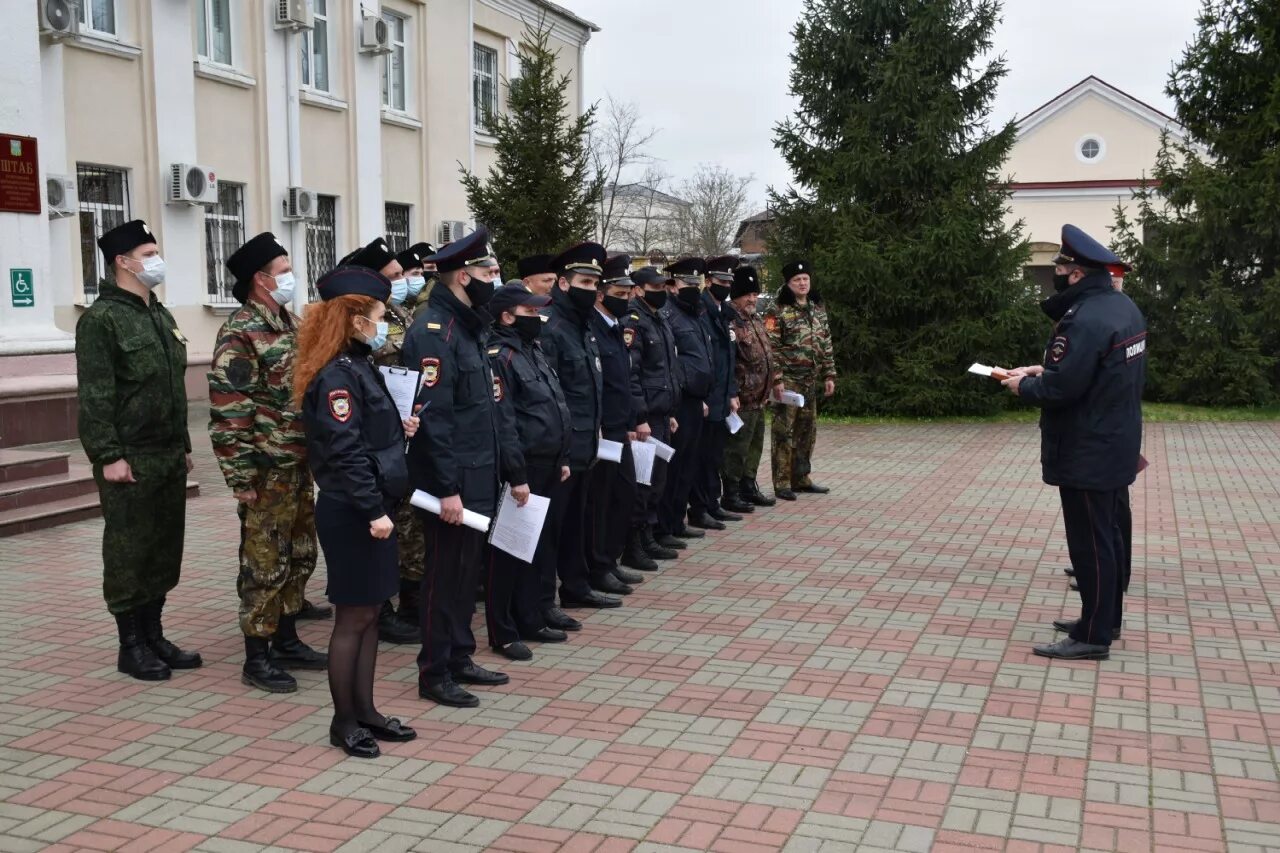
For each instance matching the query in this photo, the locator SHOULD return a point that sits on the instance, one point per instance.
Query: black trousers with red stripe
(1099, 555)
(514, 590)
(450, 574)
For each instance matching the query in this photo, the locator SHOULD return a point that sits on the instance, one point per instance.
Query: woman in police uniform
(355, 447)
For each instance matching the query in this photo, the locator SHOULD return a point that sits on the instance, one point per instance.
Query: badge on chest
(497, 389)
(430, 372)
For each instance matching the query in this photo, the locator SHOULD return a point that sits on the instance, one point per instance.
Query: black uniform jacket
(655, 366)
(693, 345)
(718, 319)
(355, 441)
(572, 352)
(617, 412)
(1091, 390)
(534, 419)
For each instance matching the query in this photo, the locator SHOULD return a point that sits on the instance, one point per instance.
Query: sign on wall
(22, 288)
(19, 175)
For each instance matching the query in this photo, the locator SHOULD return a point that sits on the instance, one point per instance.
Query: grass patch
(1151, 412)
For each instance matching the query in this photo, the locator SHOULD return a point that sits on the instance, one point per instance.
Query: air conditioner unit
(59, 19)
(295, 15)
(451, 230)
(375, 35)
(60, 192)
(190, 184)
(300, 203)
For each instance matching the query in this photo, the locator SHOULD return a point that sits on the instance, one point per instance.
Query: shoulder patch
(340, 405)
(430, 372)
(239, 372)
(635, 316)
(177, 333)
(1058, 348)
(628, 336)
(771, 322)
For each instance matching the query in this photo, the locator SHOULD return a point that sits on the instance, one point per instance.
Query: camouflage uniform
(131, 363)
(419, 305)
(801, 342)
(757, 374)
(408, 527)
(258, 440)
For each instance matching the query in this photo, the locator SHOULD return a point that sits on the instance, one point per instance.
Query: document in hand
(402, 385)
(642, 454)
(733, 422)
(609, 451)
(665, 451)
(431, 504)
(997, 373)
(790, 398)
(517, 528)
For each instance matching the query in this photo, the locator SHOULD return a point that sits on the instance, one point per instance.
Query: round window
(1090, 149)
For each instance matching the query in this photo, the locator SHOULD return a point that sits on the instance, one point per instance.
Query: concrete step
(25, 464)
(63, 511)
(76, 482)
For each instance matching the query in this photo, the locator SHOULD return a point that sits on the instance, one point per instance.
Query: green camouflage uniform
(258, 440)
(756, 374)
(131, 363)
(419, 304)
(409, 533)
(801, 341)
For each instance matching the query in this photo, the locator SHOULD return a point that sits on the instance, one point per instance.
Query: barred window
(321, 233)
(223, 234)
(104, 204)
(397, 226)
(484, 85)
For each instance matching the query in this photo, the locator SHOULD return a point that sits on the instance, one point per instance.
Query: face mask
(379, 339)
(415, 283)
(581, 298)
(152, 274)
(655, 298)
(479, 292)
(399, 290)
(719, 292)
(615, 305)
(1061, 282)
(528, 328)
(283, 294)
(688, 296)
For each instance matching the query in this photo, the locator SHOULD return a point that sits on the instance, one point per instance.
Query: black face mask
(479, 292)
(655, 298)
(528, 328)
(615, 305)
(720, 292)
(688, 296)
(582, 298)
(1061, 282)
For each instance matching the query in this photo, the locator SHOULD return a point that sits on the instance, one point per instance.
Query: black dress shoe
(447, 692)
(706, 522)
(548, 635)
(1069, 625)
(785, 494)
(634, 556)
(514, 651)
(733, 498)
(633, 578)
(391, 730)
(811, 488)
(720, 514)
(651, 547)
(311, 610)
(473, 673)
(1075, 587)
(392, 630)
(610, 584)
(687, 532)
(1070, 649)
(1069, 572)
(358, 744)
(591, 599)
(557, 618)
(666, 540)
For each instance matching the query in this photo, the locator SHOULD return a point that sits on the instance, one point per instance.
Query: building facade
(349, 123)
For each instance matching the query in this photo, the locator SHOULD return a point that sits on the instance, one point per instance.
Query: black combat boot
(261, 672)
(653, 548)
(635, 556)
(393, 630)
(289, 652)
(136, 658)
(731, 497)
(751, 492)
(407, 612)
(153, 635)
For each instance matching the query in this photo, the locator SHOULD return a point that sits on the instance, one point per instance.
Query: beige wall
(1048, 151)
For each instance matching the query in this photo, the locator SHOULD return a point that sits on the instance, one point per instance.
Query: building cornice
(565, 25)
(1095, 86)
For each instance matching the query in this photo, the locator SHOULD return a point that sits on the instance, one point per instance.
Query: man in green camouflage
(758, 377)
(801, 341)
(258, 441)
(131, 363)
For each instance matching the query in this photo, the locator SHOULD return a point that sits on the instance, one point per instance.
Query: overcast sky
(712, 74)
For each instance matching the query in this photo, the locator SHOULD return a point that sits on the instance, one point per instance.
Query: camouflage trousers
(277, 549)
(413, 543)
(794, 432)
(143, 527)
(742, 453)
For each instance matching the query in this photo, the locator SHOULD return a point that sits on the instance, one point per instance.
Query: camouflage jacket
(253, 422)
(131, 364)
(756, 370)
(398, 322)
(419, 304)
(801, 341)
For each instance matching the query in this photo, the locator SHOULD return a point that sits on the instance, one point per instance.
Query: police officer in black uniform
(455, 457)
(656, 384)
(1090, 392)
(683, 313)
(573, 353)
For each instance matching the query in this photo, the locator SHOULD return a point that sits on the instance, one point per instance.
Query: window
(104, 204)
(513, 61)
(393, 81)
(397, 227)
(315, 50)
(321, 233)
(223, 234)
(484, 85)
(1090, 148)
(98, 16)
(213, 30)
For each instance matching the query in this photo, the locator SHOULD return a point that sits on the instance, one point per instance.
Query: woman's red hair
(326, 331)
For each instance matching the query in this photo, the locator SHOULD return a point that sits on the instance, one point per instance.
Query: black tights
(353, 654)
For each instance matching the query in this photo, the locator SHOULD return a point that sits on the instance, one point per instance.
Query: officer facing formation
(131, 361)
(260, 444)
(758, 377)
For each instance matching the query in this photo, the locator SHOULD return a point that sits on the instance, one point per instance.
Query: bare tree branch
(618, 141)
(717, 204)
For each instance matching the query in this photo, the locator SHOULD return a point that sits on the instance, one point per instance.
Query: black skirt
(362, 570)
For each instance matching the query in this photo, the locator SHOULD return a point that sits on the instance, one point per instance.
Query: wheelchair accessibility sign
(22, 291)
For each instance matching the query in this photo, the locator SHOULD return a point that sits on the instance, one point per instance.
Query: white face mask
(416, 283)
(152, 273)
(285, 285)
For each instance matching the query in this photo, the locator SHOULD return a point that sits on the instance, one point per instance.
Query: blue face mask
(285, 285)
(416, 283)
(379, 339)
(399, 290)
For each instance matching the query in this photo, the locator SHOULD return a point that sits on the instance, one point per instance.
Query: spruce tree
(897, 201)
(1205, 239)
(541, 194)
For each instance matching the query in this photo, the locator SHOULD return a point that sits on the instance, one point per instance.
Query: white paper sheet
(431, 503)
(986, 370)
(643, 454)
(609, 451)
(790, 398)
(664, 450)
(733, 422)
(517, 528)
(402, 385)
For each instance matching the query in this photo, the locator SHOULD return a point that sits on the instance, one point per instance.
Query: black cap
(423, 251)
(374, 256)
(534, 265)
(689, 269)
(585, 258)
(507, 297)
(615, 270)
(409, 259)
(354, 281)
(745, 280)
(124, 239)
(649, 275)
(1079, 248)
(250, 258)
(470, 251)
(722, 267)
(794, 269)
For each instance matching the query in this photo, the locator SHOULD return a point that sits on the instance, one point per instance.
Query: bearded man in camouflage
(258, 440)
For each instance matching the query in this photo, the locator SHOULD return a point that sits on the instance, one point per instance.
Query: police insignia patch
(340, 405)
(1058, 349)
(771, 323)
(628, 335)
(497, 389)
(430, 372)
